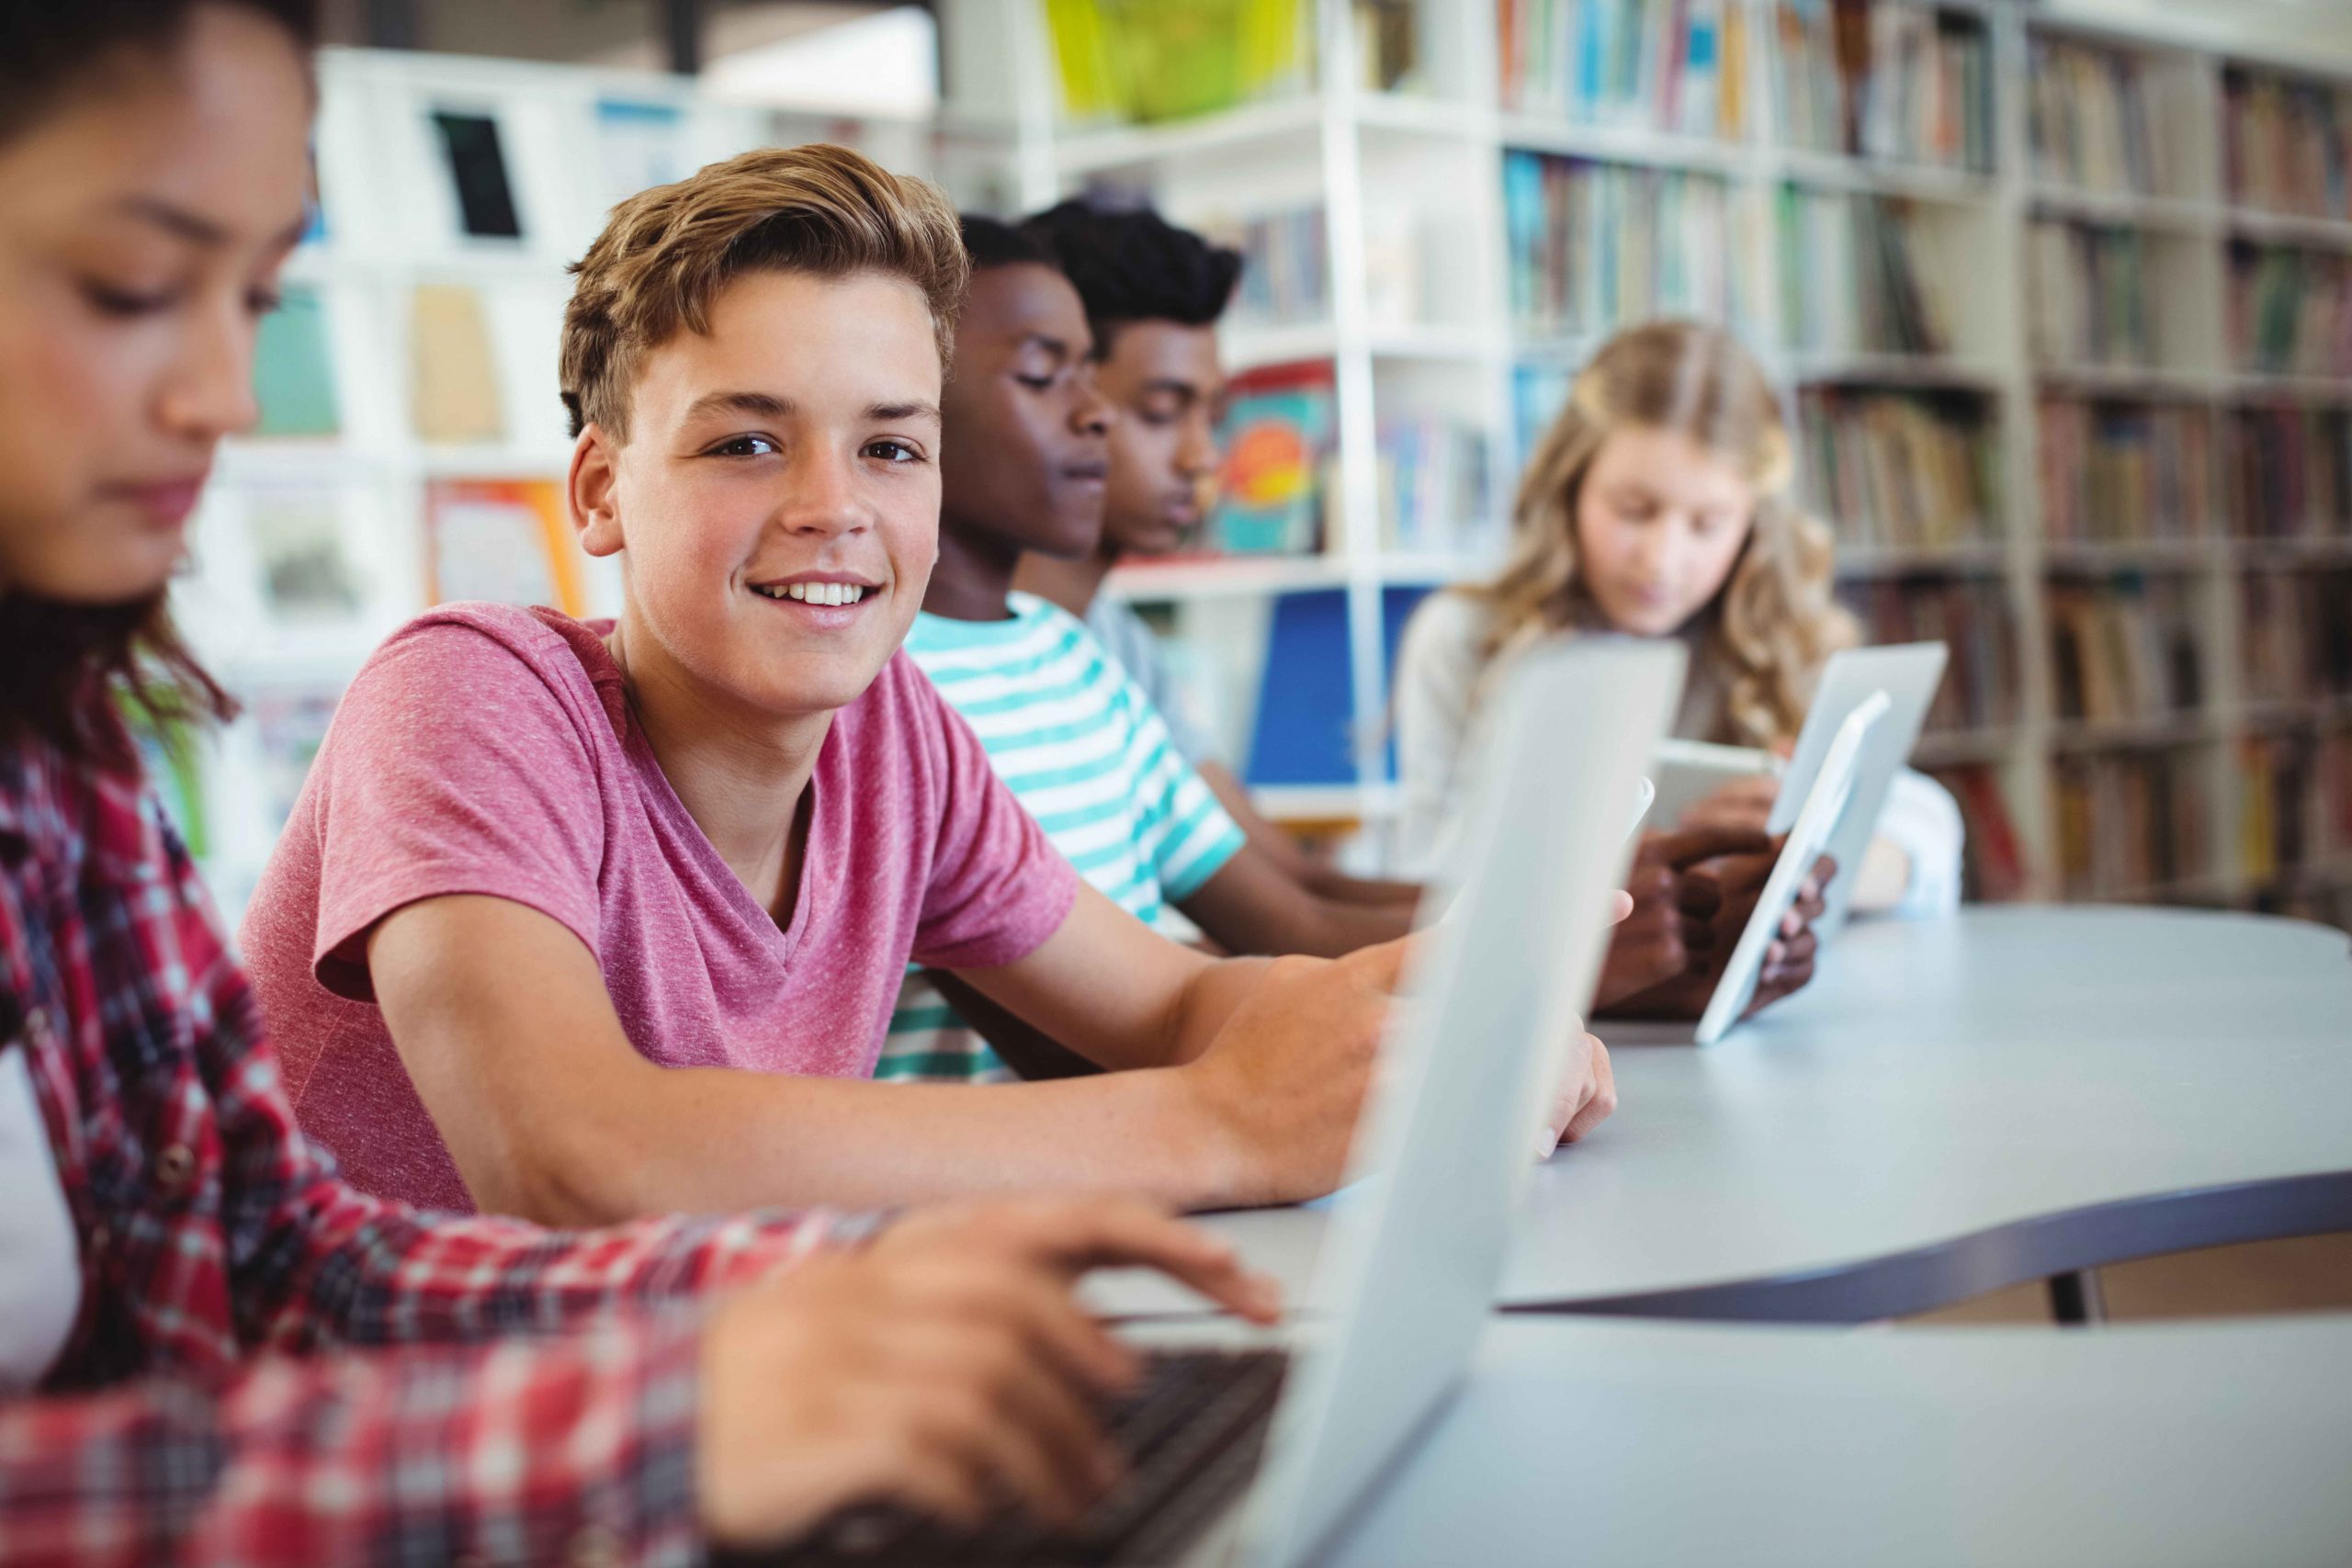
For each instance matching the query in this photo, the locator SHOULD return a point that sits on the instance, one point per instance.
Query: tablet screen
(1825, 804)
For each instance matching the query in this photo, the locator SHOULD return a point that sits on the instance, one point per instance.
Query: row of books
(2287, 146)
(2088, 295)
(1287, 268)
(1671, 65)
(1993, 861)
(2287, 472)
(2101, 118)
(1900, 469)
(1972, 615)
(1902, 82)
(2290, 311)
(2124, 648)
(2295, 802)
(1436, 493)
(2129, 824)
(1857, 276)
(1594, 246)
(2295, 630)
(2114, 472)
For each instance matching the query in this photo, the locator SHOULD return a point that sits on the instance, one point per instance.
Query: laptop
(1907, 673)
(1253, 1457)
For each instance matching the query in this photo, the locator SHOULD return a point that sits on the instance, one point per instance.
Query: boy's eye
(893, 452)
(265, 301)
(745, 446)
(1035, 383)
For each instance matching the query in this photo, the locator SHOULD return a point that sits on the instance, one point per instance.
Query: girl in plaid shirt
(257, 1364)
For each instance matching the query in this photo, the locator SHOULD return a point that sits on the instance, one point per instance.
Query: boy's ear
(591, 496)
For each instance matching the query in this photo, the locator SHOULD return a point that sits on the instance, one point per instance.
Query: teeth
(815, 593)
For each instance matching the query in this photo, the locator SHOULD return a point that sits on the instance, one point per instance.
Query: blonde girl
(1658, 504)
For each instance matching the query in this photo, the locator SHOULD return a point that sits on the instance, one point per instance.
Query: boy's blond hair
(667, 251)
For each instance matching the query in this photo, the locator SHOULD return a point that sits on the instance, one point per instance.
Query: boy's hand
(1656, 944)
(1281, 1086)
(1714, 897)
(1586, 1098)
(946, 1367)
(1742, 803)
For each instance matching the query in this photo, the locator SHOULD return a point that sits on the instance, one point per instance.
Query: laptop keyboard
(1192, 1431)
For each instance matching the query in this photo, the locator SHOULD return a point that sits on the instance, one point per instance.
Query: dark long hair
(63, 666)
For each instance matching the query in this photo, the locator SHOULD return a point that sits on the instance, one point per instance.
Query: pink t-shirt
(490, 749)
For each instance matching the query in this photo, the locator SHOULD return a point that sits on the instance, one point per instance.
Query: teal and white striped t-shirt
(1081, 747)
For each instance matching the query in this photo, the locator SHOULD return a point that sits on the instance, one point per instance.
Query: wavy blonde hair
(1773, 623)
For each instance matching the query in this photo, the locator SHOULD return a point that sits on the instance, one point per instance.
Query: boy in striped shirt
(1025, 464)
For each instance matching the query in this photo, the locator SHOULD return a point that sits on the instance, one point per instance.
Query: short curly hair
(667, 251)
(1132, 264)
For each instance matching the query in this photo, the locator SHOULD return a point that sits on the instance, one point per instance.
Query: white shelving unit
(1428, 162)
(1442, 151)
(392, 224)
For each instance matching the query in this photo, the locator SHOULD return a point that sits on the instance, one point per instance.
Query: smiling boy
(580, 921)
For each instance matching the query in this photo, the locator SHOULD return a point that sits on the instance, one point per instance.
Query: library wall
(2060, 302)
(412, 443)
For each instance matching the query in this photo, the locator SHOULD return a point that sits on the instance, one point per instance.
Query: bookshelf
(2120, 514)
(412, 440)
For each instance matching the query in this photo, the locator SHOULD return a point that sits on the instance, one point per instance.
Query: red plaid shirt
(191, 1415)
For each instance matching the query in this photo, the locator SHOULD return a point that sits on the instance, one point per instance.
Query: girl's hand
(946, 1367)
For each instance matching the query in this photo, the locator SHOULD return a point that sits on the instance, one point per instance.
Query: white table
(1597, 1442)
(1951, 1107)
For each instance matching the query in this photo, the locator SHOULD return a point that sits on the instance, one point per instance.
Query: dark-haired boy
(1153, 293)
(1024, 464)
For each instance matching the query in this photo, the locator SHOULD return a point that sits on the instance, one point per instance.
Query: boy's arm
(502, 1019)
(1251, 905)
(1283, 850)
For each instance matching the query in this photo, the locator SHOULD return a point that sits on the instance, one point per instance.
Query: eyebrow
(1051, 343)
(177, 220)
(201, 230)
(767, 405)
(759, 405)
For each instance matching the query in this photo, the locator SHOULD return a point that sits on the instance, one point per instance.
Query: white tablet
(1817, 819)
(1644, 797)
(1907, 674)
(1688, 772)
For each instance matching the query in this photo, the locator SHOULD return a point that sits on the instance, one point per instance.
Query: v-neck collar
(586, 640)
